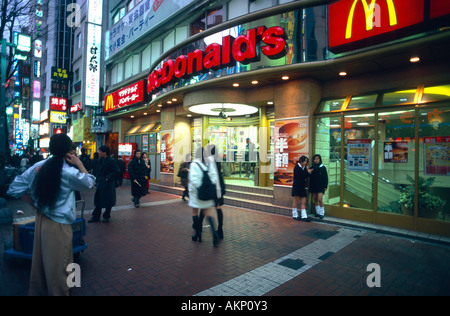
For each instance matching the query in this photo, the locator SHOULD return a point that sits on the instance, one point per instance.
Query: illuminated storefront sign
(58, 104)
(75, 108)
(58, 117)
(129, 95)
(243, 49)
(357, 23)
(93, 64)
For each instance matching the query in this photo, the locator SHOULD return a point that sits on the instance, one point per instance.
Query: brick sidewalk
(149, 251)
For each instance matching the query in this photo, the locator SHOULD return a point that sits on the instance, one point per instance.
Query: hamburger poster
(167, 152)
(291, 142)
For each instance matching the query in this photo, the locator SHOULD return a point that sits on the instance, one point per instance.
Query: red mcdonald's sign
(357, 23)
(126, 96)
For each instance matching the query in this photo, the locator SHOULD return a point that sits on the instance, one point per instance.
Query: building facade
(364, 86)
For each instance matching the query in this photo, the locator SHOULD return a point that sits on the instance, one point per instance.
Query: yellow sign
(369, 10)
(109, 104)
(58, 117)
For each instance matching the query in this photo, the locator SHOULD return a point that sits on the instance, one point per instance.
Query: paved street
(149, 251)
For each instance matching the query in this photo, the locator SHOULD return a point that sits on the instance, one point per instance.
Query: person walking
(212, 158)
(51, 184)
(148, 169)
(183, 173)
(137, 171)
(85, 159)
(301, 175)
(105, 195)
(122, 169)
(196, 171)
(318, 184)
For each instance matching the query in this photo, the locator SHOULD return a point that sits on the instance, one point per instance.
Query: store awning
(141, 129)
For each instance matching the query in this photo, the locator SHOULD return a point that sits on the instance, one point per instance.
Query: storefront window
(331, 105)
(436, 93)
(359, 160)
(328, 146)
(399, 97)
(361, 102)
(434, 163)
(396, 161)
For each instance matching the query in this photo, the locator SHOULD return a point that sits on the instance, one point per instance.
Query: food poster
(395, 152)
(358, 155)
(291, 142)
(167, 153)
(437, 155)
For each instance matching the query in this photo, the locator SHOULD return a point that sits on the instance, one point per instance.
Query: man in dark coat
(137, 171)
(105, 195)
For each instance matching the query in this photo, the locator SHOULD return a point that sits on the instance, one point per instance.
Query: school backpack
(207, 190)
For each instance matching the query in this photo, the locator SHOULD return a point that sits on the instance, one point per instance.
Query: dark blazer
(319, 179)
(106, 173)
(300, 178)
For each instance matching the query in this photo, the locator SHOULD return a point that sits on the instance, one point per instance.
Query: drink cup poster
(167, 153)
(291, 142)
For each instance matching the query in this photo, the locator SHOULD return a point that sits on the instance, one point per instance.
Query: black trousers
(98, 211)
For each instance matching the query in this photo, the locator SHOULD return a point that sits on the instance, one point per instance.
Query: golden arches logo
(109, 104)
(369, 10)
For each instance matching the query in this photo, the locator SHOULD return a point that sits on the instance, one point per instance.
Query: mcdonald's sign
(126, 96)
(369, 22)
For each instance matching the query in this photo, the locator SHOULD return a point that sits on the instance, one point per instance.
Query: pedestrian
(212, 157)
(148, 169)
(301, 175)
(137, 171)
(196, 172)
(36, 158)
(94, 164)
(318, 184)
(85, 159)
(51, 184)
(105, 194)
(122, 169)
(183, 173)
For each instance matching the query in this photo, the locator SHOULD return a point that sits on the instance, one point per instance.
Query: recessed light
(189, 115)
(159, 105)
(255, 82)
(158, 111)
(145, 113)
(285, 77)
(236, 84)
(174, 100)
(342, 74)
(132, 116)
(169, 102)
(270, 102)
(414, 59)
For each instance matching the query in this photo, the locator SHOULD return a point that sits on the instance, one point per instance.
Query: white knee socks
(320, 210)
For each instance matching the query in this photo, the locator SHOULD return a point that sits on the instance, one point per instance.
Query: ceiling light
(342, 74)
(159, 105)
(174, 99)
(169, 102)
(231, 109)
(285, 77)
(236, 84)
(270, 102)
(145, 113)
(189, 115)
(414, 59)
(157, 111)
(132, 116)
(255, 82)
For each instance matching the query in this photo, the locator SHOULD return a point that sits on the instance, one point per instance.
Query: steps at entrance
(255, 198)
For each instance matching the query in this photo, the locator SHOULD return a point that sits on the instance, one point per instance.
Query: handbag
(207, 190)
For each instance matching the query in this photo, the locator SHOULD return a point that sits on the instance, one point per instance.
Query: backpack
(207, 190)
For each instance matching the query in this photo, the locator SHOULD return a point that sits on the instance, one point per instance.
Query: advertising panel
(291, 142)
(94, 36)
(167, 153)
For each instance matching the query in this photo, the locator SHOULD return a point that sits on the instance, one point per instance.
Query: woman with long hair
(318, 184)
(51, 184)
(198, 166)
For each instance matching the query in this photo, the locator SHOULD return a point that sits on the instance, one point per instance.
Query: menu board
(437, 155)
(291, 142)
(358, 155)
